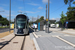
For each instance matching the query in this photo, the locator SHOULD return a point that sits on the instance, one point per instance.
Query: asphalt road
(4, 30)
(55, 41)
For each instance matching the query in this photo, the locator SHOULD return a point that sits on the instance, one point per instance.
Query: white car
(52, 25)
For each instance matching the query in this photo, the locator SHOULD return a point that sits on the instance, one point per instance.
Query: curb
(36, 44)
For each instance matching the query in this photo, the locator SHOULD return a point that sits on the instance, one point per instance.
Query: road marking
(38, 35)
(35, 35)
(54, 35)
(66, 35)
(66, 41)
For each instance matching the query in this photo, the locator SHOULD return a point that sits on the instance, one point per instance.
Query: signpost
(46, 19)
(66, 22)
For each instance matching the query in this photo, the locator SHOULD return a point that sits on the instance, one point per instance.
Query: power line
(58, 9)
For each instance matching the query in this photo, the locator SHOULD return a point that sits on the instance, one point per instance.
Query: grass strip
(5, 33)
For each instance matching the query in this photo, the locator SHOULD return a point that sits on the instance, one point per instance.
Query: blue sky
(33, 8)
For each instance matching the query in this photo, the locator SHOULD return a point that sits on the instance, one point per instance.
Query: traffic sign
(46, 19)
(66, 22)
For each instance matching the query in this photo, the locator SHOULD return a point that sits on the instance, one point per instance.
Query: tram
(21, 26)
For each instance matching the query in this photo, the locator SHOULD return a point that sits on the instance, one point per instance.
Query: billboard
(11, 26)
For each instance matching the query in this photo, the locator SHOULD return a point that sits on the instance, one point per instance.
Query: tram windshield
(20, 22)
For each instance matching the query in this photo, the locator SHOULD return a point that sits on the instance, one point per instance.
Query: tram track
(7, 42)
(17, 42)
(23, 43)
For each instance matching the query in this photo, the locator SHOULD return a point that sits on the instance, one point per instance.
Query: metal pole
(9, 15)
(48, 16)
(46, 11)
(32, 19)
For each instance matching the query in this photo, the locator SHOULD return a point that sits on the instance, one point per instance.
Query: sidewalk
(67, 31)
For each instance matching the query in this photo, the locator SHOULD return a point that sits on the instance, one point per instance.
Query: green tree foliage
(71, 13)
(3, 21)
(41, 18)
(0, 16)
(74, 2)
(63, 18)
(68, 1)
(71, 10)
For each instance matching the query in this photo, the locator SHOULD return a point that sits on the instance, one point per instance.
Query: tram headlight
(18, 26)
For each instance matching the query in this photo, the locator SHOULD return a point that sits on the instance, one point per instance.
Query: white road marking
(38, 35)
(35, 35)
(66, 41)
(54, 35)
(66, 35)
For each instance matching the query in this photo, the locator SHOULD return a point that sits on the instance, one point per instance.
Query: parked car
(52, 25)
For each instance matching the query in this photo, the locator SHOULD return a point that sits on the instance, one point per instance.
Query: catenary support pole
(48, 16)
(9, 15)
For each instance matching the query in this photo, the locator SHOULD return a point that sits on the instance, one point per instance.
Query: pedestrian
(35, 27)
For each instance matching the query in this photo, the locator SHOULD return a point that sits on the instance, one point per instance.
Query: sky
(33, 8)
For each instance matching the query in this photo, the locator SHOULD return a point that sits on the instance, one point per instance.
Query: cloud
(57, 19)
(31, 12)
(20, 11)
(34, 18)
(33, 4)
(1, 9)
(40, 7)
(6, 13)
(4, 5)
(12, 20)
(20, 7)
(45, 1)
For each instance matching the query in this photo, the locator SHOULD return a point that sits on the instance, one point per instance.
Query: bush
(4, 26)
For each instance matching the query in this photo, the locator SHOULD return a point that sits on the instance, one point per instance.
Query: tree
(63, 18)
(68, 1)
(71, 14)
(3, 21)
(41, 18)
(74, 2)
(0, 16)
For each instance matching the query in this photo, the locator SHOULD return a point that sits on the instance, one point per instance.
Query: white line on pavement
(35, 35)
(66, 35)
(66, 41)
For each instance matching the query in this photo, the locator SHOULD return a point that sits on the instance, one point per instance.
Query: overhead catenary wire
(24, 4)
(58, 9)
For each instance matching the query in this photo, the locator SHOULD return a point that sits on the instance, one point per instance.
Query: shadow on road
(30, 30)
(2, 44)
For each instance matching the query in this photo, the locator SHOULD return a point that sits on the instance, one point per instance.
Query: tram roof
(22, 15)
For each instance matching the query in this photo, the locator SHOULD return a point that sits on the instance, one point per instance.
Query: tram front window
(20, 23)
